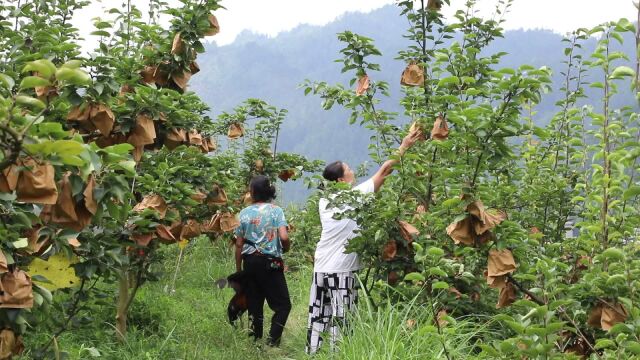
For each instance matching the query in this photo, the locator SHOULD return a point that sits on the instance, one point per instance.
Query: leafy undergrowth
(191, 322)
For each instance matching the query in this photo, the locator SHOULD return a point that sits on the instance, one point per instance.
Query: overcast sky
(271, 17)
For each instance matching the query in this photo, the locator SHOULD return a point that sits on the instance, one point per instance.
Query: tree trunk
(123, 305)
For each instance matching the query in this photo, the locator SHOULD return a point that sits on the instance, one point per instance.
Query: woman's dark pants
(266, 283)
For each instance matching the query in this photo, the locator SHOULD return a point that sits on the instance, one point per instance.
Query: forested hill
(273, 68)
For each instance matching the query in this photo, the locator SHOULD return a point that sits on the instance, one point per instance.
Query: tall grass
(191, 323)
(404, 331)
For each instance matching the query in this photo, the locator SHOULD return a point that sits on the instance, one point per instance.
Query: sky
(270, 17)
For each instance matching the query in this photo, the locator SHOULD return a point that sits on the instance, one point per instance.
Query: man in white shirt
(333, 291)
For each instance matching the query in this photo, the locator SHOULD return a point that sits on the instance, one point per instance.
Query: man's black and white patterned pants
(332, 295)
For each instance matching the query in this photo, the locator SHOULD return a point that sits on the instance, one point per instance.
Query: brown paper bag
(3, 263)
(442, 321)
(161, 75)
(148, 74)
(213, 225)
(144, 132)
(64, 211)
(247, 199)
(259, 166)
(18, 293)
(507, 296)
(487, 218)
(393, 278)
(495, 282)
(613, 314)
(177, 47)
(198, 196)
(113, 139)
(390, 250)
(195, 138)
(84, 217)
(10, 344)
(164, 235)
(211, 143)
(102, 118)
(137, 153)
(462, 232)
(217, 196)
(89, 200)
(500, 262)
(228, 222)
(435, 5)
(79, 113)
(9, 179)
(235, 131)
(142, 239)
(408, 231)
(440, 129)
(152, 201)
(181, 79)
(413, 75)
(363, 85)
(595, 316)
(285, 175)
(175, 137)
(214, 27)
(73, 242)
(190, 230)
(194, 68)
(36, 183)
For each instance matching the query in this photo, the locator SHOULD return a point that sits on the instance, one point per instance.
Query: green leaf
(44, 292)
(631, 192)
(632, 346)
(21, 243)
(618, 37)
(7, 81)
(30, 102)
(73, 76)
(449, 203)
(43, 66)
(129, 167)
(72, 64)
(414, 276)
(100, 33)
(451, 80)
(622, 72)
(604, 343)
(72, 160)
(613, 254)
(22, 218)
(440, 285)
(30, 82)
(120, 149)
(435, 252)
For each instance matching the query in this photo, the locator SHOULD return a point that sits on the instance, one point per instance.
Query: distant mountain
(272, 69)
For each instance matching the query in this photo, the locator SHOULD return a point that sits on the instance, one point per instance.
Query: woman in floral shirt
(261, 239)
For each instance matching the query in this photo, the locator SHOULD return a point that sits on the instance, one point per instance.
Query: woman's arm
(387, 167)
(284, 238)
(239, 245)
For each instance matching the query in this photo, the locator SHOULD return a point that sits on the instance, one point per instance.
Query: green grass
(191, 323)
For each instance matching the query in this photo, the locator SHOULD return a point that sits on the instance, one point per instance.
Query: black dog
(238, 304)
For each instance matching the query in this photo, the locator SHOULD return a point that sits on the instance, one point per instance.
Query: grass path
(191, 323)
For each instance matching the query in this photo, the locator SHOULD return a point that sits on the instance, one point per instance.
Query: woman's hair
(261, 189)
(333, 171)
